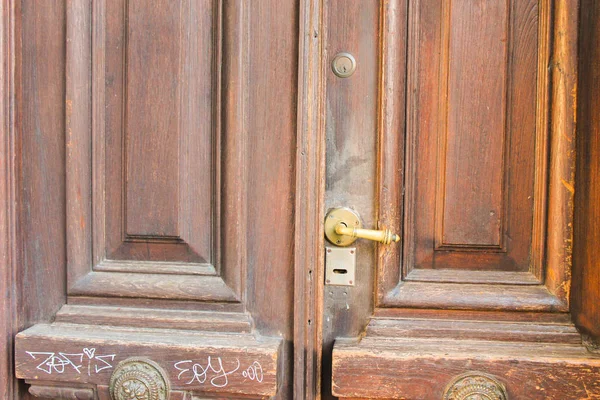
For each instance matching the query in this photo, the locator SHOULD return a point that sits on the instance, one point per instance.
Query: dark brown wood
(193, 361)
(153, 318)
(471, 135)
(474, 330)
(527, 29)
(168, 165)
(272, 68)
(391, 145)
(585, 294)
(157, 210)
(53, 392)
(36, 43)
(109, 204)
(473, 315)
(474, 297)
(351, 122)
(310, 186)
(480, 282)
(172, 179)
(8, 203)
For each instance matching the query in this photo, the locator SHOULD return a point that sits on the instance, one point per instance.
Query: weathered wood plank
(474, 297)
(421, 369)
(207, 362)
(61, 393)
(474, 330)
(586, 266)
(143, 317)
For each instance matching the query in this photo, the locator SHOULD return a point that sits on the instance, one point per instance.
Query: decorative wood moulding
(155, 150)
(235, 322)
(474, 204)
(502, 331)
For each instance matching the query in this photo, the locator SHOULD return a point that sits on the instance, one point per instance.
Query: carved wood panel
(160, 138)
(471, 163)
(474, 196)
(155, 149)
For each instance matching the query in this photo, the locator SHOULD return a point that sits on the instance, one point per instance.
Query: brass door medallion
(139, 379)
(475, 386)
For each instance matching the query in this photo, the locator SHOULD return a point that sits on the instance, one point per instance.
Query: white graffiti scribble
(254, 372)
(58, 363)
(215, 372)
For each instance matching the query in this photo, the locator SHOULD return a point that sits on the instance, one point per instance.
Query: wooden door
(169, 166)
(456, 131)
(154, 148)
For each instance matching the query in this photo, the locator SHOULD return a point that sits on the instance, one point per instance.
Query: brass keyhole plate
(341, 215)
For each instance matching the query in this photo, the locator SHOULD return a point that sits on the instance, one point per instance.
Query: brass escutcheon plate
(343, 215)
(475, 385)
(139, 379)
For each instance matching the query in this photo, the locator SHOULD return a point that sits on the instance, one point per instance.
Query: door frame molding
(8, 201)
(309, 202)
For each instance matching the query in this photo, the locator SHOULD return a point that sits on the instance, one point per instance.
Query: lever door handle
(384, 236)
(343, 227)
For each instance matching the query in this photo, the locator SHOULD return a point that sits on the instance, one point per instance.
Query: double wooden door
(177, 162)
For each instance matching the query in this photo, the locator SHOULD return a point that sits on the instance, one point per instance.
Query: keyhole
(343, 65)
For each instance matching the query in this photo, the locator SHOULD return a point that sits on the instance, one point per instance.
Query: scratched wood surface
(169, 200)
(351, 151)
(193, 361)
(481, 186)
(200, 156)
(586, 267)
(421, 368)
(32, 195)
(309, 209)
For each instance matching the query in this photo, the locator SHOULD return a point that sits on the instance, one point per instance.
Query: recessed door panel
(472, 135)
(159, 147)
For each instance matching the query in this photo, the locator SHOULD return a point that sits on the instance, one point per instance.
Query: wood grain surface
(421, 369)
(85, 354)
(585, 294)
(165, 167)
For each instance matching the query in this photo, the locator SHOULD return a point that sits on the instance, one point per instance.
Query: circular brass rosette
(475, 386)
(341, 215)
(139, 379)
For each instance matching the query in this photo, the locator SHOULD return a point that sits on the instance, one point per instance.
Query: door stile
(8, 201)
(585, 296)
(563, 125)
(310, 189)
(390, 173)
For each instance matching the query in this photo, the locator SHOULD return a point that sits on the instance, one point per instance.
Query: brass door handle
(385, 236)
(343, 227)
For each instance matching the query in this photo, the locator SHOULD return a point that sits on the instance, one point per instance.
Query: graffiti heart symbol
(89, 352)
